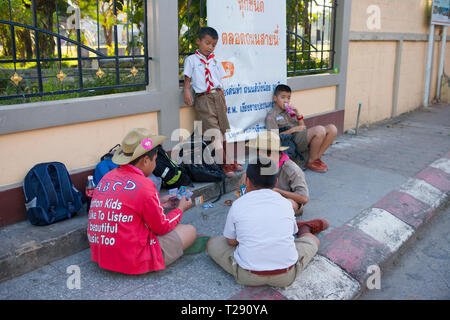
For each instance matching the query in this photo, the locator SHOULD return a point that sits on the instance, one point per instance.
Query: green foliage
(191, 17)
(47, 14)
(52, 84)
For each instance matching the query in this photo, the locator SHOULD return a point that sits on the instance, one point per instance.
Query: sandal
(237, 167)
(228, 170)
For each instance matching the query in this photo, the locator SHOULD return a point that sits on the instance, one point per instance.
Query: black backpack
(171, 174)
(206, 170)
(50, 194)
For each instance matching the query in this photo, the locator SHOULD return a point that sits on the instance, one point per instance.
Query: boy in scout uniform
(291, 179)
(204, 73)
(293, 131)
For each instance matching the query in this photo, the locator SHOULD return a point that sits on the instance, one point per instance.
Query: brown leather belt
(211, 91)
(271, 272)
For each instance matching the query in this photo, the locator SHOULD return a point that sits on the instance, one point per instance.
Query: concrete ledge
(322, 280)
(26, 247)
(353, 250)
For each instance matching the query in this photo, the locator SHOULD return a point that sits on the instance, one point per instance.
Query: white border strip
(423, 191)
(442, 164)
(383, 227)
(322, 280)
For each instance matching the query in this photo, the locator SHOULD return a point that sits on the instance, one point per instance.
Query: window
(58, 49)
(310, 26)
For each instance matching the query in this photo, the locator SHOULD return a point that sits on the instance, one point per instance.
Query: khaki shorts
(212, 111)
(171, 247)
(222, 253)
(301, 141)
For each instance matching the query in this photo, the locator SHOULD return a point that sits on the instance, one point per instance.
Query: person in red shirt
(128, 230)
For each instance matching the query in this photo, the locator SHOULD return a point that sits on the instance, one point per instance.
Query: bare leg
(229, 152)
(217, 145)
(187, 234)
(330, 135)
(315, 138)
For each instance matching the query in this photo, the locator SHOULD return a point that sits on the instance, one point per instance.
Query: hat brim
(121, 158)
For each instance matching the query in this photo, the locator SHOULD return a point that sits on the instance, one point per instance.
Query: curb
(26, 247)
(340, 269)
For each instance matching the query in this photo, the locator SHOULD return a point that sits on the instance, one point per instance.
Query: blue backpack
(105, 165)
(102, 168)
(50, 194)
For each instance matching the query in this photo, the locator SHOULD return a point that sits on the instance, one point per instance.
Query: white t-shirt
(263, 222)
(195, 69)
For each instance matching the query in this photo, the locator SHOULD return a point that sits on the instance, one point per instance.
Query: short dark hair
(151, 154)
(204, 31)
(257, 178)
(281, 88)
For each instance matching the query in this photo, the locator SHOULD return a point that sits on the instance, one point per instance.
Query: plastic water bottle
(90, 187)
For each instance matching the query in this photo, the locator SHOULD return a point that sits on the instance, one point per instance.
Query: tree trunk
(108, 33)
(46, 42)
(24, 38)
(306, 23)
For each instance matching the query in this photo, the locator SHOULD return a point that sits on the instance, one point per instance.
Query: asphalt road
(422, 271)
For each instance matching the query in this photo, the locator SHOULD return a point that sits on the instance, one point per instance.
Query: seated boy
(258, 246)
(291, 179)
(128, 230)
(292, 128)
(205, 73)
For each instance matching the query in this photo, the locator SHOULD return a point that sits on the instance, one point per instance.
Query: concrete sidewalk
(382, 186)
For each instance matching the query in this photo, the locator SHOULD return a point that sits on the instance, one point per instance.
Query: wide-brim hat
(137, 142)
(267, 140)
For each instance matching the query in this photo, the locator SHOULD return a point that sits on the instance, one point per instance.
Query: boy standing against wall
(204, 73)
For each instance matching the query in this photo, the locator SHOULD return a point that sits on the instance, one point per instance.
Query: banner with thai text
(252, 49)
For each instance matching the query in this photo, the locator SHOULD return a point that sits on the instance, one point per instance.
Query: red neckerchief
(283, 159)
(209, 83)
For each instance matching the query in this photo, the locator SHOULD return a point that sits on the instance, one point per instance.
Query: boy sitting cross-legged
(259, 244)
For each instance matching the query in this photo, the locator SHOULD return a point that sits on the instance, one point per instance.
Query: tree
(106, 17)
(23, 41)
(189, 19)
(22, 11)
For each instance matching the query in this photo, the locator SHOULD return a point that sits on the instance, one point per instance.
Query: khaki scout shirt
(292, 178)
(278, 118)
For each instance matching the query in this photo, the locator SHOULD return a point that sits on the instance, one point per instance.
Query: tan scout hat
(137, 142)
(267, 140)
